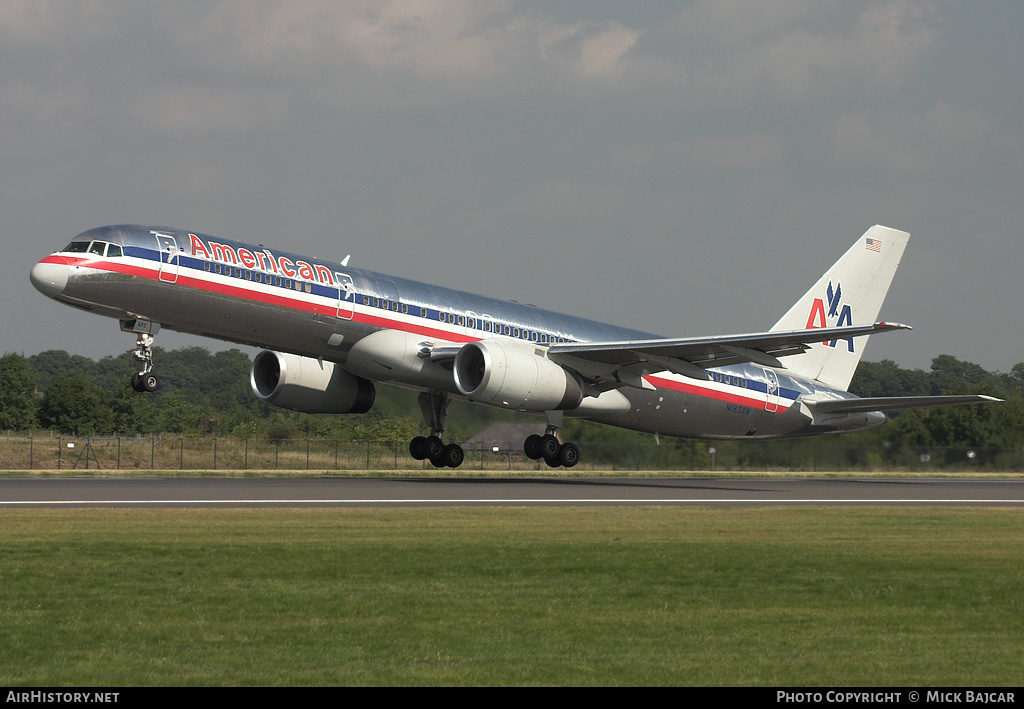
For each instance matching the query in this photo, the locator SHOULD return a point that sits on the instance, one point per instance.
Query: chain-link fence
(54, 452)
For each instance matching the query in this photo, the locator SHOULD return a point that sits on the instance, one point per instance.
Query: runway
(518, 492)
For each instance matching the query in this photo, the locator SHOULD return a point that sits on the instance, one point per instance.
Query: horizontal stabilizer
(894, 403)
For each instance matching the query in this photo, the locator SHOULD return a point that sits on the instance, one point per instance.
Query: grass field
(601, 596)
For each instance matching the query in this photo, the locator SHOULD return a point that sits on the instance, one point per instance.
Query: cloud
(730, 51)
(907, 141)
(253, 64)
(185, 111)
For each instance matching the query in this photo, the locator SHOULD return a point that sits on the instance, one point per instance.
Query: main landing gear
(432, 448)
(555, 454)
(144, 380)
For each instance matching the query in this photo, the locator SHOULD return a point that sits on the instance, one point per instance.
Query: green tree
(886, 378)
(73, 405)
(18, 400)
(950, 375)
(179, 415)
(58, 363)
(133, 412)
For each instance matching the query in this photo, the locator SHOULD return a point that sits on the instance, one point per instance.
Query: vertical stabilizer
(850, 293)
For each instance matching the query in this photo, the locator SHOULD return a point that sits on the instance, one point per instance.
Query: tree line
(206, 393)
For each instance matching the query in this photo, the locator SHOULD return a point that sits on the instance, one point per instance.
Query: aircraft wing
(690, 356)
(894, 403)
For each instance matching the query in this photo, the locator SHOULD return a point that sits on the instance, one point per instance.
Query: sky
(685, 168)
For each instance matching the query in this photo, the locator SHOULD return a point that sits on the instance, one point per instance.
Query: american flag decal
(873, 244)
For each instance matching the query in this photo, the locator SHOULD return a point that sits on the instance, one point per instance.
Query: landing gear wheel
(532, 447)
(434, 448)
(149, 382)
(137, 382)
(418, 448)
(433, 406)
(453, 455)
(552, 463)
(549, 447)
(569, 455)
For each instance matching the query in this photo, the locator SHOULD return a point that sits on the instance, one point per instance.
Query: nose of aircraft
(50, 275)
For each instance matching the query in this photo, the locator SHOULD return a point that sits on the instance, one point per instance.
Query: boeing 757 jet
(330, 332)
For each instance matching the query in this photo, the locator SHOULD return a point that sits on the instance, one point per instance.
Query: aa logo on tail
(839, 314)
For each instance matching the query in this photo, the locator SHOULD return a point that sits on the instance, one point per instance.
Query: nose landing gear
(144, 380)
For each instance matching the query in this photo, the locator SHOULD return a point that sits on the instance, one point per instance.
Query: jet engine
(309, 385)
(494, 374)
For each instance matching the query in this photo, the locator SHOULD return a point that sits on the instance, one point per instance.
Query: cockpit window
(94, 247)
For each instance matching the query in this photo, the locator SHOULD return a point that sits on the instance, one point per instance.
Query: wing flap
(689, 356)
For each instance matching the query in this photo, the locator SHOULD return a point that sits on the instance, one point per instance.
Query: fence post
(152, 451)
(214, 452)
(118, 452)
(307, 452)
(367, 455)
(245, 465)
(60, 444)
(30, 440)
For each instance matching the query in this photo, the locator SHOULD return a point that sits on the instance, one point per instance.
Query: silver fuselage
(253, 295)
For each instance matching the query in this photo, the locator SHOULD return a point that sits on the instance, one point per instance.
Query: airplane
(330, 331)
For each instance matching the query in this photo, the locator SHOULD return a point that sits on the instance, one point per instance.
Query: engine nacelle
(309, 385)
(494, 374)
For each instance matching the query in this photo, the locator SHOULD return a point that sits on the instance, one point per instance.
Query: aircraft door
(168, 258)
(771, 402)
(346, 295)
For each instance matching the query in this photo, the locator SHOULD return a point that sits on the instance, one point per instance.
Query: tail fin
(850, 293)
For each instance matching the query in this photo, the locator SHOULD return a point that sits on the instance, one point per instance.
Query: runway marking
(530, 500)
